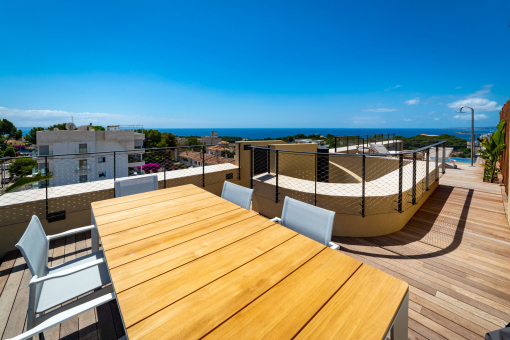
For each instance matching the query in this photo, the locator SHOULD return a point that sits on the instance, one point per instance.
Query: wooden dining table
(187, 264)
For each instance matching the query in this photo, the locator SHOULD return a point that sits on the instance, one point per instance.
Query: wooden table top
(187, 264)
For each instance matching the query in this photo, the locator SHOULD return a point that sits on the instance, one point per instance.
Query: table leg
(399, 330)
(94, 234)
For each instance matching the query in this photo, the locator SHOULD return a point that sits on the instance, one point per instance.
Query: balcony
(453, 251)
(83, 150)
(42, 153)
(82, 168)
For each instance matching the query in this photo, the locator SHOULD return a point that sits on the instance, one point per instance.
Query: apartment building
(211, 140)
(84, 155)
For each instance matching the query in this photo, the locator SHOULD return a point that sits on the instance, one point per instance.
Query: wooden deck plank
(454, 253)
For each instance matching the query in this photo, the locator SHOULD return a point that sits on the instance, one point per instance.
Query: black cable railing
(79, 179)
(365, 184)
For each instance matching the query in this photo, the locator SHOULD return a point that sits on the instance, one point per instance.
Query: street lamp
(472, 131)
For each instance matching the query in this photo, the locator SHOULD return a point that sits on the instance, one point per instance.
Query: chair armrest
(276, 219)
(71, 232)
(35, 279)
(334, 246)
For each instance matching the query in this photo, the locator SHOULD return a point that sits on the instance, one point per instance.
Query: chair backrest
(135, 185)
(34, 248)
(237, 194)
(308, 220)
(448, 152)
(378, 148)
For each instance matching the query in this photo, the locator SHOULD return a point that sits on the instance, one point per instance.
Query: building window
(82, 148)
(83, 178)
(101, 159)
(102, 174)
(44, 150)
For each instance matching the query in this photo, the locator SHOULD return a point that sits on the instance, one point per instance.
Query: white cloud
(412, 101)
(432, 112)
(458, 87)
(478, 104)
(380, 110)
(407, 120)
(436, 119)
(478, 116)
(45, 118)
(485, 89)
(392, 88)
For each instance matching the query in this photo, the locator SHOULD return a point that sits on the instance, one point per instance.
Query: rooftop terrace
(453, 253)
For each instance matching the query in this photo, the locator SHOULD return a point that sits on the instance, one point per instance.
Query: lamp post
(472, 131)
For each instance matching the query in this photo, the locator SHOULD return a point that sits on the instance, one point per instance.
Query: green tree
(99, 128)
(18, 135)
(169, 139)
(152, 138)
(6, 127)
(192, 141)
(9, 152)
(58, 126)
(1, 153)
(22, 167)
(31, 136)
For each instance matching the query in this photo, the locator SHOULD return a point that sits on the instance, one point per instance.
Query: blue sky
(254, 64)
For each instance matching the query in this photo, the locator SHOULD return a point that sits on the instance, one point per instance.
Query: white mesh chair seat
(308, 220)
(135, 185)
(237, 194)
(57, 291)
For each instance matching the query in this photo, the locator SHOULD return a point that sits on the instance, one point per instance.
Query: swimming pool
(462, 160)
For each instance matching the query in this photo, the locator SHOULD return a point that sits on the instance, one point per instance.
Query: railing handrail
(264, 147)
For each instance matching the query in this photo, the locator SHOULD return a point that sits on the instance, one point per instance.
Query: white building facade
(85, 155)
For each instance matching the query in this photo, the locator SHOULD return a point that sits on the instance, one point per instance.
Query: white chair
(380, 149)
(137, 185)
(237, 194)
(52, 286)
(308, 220)
(448, 154)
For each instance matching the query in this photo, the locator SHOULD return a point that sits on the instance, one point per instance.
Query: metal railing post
(268, 160)
(47, 182)
(239, 161)
(357, 144)
(203, 166)
(347, 144)
(316, 179)
(427, 175)
(276, 168)
(2, 174)
(164, 168)
(414, 178)
(363, 187)
(114, 170)
(443, 164)
(336, 138)
(251, 168)
(400, 179)
(363, 147)
(437, 162)
(394, 144)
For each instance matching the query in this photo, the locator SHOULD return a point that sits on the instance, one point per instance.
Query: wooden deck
(455, 255)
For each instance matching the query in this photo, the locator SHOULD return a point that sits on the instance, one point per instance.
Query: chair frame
(247, 205)
(54, 317)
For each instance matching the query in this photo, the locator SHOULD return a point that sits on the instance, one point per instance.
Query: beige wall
(348, 225)
(77, 208)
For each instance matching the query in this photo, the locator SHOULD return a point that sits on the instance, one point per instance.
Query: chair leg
(31, 308)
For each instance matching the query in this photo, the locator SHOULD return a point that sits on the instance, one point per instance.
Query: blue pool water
(463, 160)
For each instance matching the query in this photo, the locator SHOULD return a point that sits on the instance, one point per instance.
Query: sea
(260, 133)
